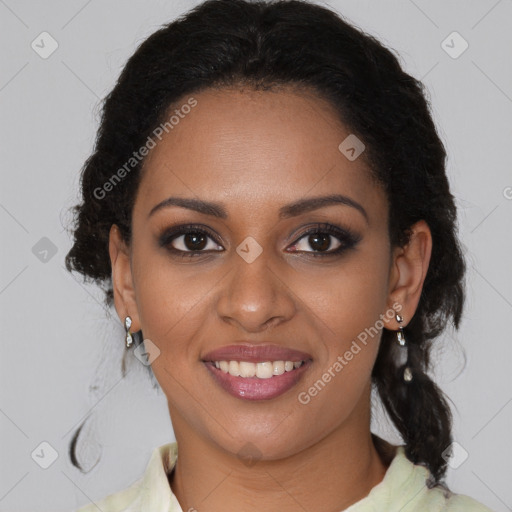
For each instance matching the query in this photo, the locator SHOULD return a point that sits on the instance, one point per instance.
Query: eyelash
(346, 237)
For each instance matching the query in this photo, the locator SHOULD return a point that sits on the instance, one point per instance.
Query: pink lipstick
(256, 372)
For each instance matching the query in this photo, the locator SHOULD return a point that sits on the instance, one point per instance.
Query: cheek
(347, 307)
(349, 298)
(170, 301)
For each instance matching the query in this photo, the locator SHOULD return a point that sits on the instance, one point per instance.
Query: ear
(122, 279)
(408, 270)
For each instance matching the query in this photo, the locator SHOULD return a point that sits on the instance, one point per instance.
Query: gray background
(60, 352)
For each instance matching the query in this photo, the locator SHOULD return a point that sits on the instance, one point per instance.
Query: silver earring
(407, 376)
(127, 325)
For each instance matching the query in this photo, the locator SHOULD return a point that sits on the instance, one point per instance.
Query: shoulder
(150, 492)
(440, 500)
(463, 503)
(115, 502)
(405, 487)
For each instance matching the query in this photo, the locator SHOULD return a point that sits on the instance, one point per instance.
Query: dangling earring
(407, 376)
(127, 325)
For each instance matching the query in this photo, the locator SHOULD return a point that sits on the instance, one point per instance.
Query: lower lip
(254, 388)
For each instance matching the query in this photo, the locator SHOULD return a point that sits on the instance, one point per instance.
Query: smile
(257, 381)
(262, 370)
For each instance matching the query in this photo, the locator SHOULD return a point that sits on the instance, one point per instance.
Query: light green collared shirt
(402, 489)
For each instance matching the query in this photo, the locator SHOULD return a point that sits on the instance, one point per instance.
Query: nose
(255, 297)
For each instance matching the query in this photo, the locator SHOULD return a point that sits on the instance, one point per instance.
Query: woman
(268, 207)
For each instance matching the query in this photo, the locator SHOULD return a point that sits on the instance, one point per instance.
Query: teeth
(263, 370)
(234, 368)
(247, 369)
(278, 368)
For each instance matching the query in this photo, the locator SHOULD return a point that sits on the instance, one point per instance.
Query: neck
(337, 471)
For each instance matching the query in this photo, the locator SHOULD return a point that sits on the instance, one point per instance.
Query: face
(255, 271)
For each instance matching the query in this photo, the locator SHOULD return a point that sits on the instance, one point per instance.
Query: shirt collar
(155, 492)
(402, 483)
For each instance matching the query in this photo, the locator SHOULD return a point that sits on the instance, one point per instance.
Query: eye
(194, 239)
(188, 241)
(320, 238)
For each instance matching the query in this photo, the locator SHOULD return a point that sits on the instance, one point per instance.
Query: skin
(256, 152)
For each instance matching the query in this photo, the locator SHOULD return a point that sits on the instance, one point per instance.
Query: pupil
(323, 244)
(197, 241)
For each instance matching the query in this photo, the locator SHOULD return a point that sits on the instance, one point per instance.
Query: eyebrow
(290, 210)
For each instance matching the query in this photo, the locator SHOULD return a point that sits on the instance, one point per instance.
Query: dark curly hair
(265, 44)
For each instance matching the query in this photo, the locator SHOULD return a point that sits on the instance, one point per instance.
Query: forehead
(250, 149)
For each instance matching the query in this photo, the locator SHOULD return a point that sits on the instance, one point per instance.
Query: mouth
(260, 370)
(256, 372)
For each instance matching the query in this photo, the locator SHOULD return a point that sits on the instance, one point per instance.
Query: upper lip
(255, 353)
